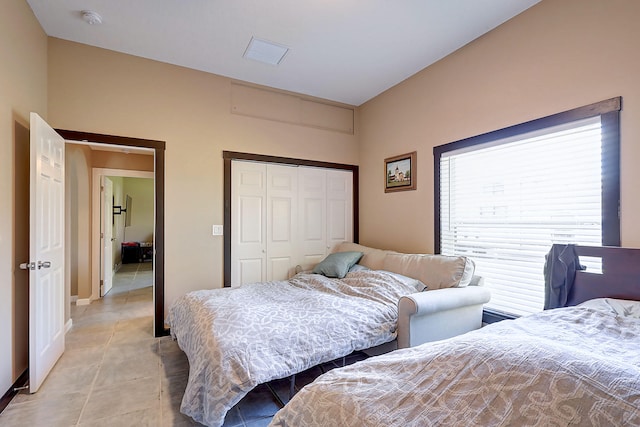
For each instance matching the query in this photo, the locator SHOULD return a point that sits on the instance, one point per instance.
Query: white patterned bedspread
(576, 366)
(236, 338)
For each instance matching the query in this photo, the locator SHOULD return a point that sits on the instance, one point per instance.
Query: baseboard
(20, 382)
(68, 325)
(83, 301)
(74, 298)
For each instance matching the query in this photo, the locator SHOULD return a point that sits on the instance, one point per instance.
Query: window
(505, 197)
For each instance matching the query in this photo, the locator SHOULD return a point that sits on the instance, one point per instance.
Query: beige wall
(142, 200)
(559, 55)
(114, 160)
(78, 224)
(100, 91)
(23, 88)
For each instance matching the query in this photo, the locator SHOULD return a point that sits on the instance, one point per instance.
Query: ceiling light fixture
(264, 51)
(91, 17)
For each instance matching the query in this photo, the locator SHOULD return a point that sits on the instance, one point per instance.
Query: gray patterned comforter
(236, 338)
(570, 366)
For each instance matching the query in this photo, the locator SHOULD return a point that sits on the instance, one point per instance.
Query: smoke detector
(91, 17)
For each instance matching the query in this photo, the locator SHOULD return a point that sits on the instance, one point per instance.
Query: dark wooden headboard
(620, 276)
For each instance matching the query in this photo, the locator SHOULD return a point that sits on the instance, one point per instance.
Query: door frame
(96, 209)
(229, 156)
(106, 232)
(159, 154)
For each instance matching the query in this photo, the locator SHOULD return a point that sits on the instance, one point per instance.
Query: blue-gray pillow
(337, 264)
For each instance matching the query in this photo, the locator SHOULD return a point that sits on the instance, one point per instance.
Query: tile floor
(115, 373)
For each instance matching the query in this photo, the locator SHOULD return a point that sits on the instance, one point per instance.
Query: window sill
(493, 316)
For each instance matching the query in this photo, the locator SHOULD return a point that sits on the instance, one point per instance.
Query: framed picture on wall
(400, 172)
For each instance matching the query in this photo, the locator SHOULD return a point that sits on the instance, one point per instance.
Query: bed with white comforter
(236, 338)
(569, 366)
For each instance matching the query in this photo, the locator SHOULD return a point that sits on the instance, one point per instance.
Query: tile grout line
(94, 315)
(160, 384)
(95, 377)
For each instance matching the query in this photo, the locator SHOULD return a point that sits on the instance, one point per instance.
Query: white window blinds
(504, 203)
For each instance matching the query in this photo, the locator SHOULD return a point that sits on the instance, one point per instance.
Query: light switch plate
(218, 230)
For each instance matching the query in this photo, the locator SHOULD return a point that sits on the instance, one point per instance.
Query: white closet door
(312, 216)
(286, 215)
(282, 221)
(339, 208)
(248, 234)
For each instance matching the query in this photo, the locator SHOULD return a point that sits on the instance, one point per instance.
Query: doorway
(109, 230)
(127, 233)
(158, 148)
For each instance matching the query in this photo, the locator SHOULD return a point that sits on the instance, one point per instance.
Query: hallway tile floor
(115, 373)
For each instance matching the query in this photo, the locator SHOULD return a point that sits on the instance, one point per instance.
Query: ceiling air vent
(264, 51)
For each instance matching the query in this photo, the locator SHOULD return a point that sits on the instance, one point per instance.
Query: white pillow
(410, 281)
(619, 307)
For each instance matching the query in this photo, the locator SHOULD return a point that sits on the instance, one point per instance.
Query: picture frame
(400, 172)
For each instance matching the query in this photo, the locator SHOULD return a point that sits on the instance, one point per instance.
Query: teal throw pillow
(337, 264)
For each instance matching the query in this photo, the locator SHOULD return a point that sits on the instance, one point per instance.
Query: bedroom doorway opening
(125, 240)
(96, 213)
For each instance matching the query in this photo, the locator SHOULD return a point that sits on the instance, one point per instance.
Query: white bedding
(618, 307)
(570, 366)
(236, 338)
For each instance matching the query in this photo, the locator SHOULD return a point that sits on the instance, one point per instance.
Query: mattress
(567, 366)
(236, 338)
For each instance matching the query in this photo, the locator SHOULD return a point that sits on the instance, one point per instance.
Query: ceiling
(346, 51)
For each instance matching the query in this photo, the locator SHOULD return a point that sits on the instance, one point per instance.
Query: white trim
(83, 301)
(114, 148)
(95, 222)
(74, 298)
(68, 325)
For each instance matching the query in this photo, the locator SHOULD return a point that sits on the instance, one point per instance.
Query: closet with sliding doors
(285, 215)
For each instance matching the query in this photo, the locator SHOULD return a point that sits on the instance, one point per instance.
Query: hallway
(113, 372)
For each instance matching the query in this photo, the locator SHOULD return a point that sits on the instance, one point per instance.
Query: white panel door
(339, 207)
(312, 216)
(281, 221)
(46, 251)
(248, 234)
(106, 220)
